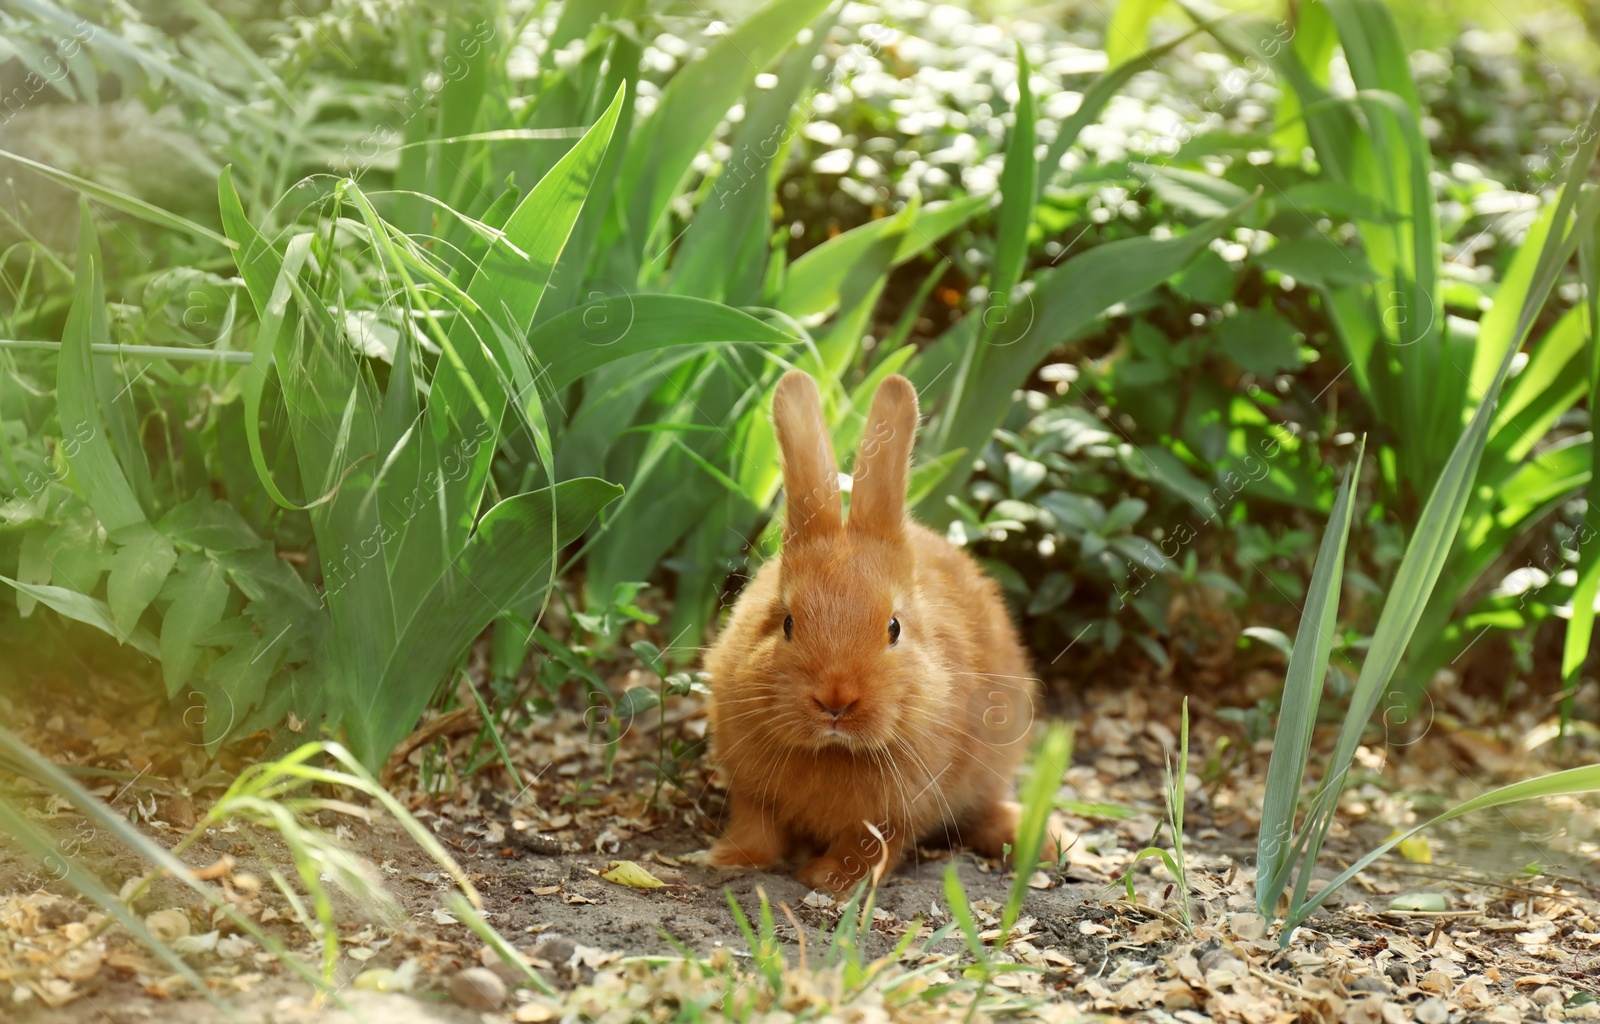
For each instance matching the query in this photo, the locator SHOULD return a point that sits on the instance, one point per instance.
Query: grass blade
(584, 339)
(131, 205)
(1302, 696)
(1018, 186)
(93, 462)
(1038, 800)
(90, 611)
(814, 282)
(1129, 30)
(1572, 781)
(1580, 628)
(1436, 530)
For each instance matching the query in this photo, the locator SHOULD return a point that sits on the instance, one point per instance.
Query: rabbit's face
(850, 652)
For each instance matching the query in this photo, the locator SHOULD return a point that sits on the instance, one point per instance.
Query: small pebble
(533, 842)
(221, 843)
(478, 989)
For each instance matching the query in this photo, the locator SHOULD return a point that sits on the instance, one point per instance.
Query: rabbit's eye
(894, 631)
(788, 627)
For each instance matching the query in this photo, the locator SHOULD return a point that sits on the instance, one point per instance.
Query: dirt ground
(1518, 938)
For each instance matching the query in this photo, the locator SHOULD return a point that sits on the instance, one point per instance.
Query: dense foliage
(465, 262)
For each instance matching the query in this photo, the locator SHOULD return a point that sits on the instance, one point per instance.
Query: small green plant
(840, 979)
(1177, 778)
(671, 755)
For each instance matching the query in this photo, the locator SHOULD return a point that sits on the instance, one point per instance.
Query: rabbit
(869, 690)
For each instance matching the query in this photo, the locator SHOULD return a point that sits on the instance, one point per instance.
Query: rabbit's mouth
(834, 733)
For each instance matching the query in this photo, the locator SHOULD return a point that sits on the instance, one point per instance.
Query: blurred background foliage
(1133, 283)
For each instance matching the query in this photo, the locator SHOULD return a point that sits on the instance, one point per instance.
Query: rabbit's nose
(836, 712)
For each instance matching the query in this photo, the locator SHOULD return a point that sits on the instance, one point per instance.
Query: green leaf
(1585, 589)
(724, 251)
(138, 569)
(1019, 186)
(1210, 280)
(961, 911)
(486, 352)
(1261, 342)
(1105, 88)
(1204, 195)
(119, 200)
(1302, 696)
(1435, 533)
(204, 522)
(273, 307)
(1129, 30)
(506, 561)
(88, 610)
(1038, 800)
(1061, 303)
(815, 280)
(927, 474)
(1337, 200)
(1315, 261)
(198, 593)
(581, 340)
(1570, 782)
(93, 462)
(636, 701)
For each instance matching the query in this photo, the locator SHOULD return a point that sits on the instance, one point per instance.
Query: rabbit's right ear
(810, 474)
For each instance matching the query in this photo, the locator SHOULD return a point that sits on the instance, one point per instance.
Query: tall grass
(1287, 852)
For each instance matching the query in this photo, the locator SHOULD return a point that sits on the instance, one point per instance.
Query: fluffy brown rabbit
(869, 685)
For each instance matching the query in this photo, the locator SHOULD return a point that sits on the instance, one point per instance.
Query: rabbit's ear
(883, 464)
(810, 475)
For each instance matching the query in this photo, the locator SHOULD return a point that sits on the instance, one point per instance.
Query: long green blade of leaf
(1580, 628)
(93, 461)
(1302, 696)
(584, 339)
(1038, 800)
(91, 611)
(132, 205)
(1441, 518)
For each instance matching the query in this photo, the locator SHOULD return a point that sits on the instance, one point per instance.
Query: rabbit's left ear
(883, 463)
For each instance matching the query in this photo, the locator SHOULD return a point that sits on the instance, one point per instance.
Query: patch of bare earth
(1519, 938)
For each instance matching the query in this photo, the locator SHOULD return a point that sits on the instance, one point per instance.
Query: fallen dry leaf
(629, 873)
